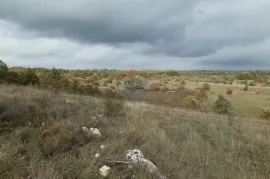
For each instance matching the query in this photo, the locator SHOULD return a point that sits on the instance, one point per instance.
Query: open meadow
(42, 139)
(75, 124)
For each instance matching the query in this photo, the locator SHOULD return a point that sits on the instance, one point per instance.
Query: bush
(29, 77)
(134, 82)
(203, 93)
(206, 87)
(13, 77)
(246, 88)
(229, 92)
(95, 83)
(109, 93)
(265, 113)
(225, 82)
(222, 106)
(267, 83)
(258, 91)
(110, 80)
(3, 66)
(183, 82)
(3, 70)
(154, 87)
(114, 107)
(54, 80)
(245, 76)
(192, 103)
(118, 83)
(252, 84)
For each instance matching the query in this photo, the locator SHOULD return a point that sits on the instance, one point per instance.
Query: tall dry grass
(183, 144)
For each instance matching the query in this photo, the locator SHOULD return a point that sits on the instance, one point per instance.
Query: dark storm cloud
(109, 21)
(176, 33)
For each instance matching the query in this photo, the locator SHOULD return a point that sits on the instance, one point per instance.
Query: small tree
(3, 70)
(265, 113)
(246, 88)
(134, 82)
(206, 86)
(113, 107)
(223, 106)
(29, 77)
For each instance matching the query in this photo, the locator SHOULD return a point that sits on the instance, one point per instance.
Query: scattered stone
(91, 131)
(97, 155)
(94, 117)
(136, 159)
(69, 101)
(102, 147)
(134, 156)
(104, 171)
(95, 131)
(85, 129)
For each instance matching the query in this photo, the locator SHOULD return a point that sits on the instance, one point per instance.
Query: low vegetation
(43, 112)
(41, 138)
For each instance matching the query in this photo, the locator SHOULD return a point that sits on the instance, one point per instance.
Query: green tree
(222, 106)
(3, 70)
(29, 77)
(134, 82)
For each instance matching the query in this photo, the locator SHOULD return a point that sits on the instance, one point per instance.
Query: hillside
(41, 138)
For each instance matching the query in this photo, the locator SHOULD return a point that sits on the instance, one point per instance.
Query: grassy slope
(182, 144)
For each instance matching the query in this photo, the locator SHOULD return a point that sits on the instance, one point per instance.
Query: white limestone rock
(134, 156)
(104, 171)
(97, 155)
(91, 131)
(102, 147)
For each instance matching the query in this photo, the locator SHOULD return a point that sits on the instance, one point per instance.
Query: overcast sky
(136, 34)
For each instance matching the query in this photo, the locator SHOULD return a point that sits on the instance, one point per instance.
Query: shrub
(245, 76)
(13, 77)
(118, 83)
(183, 82)
(246, 88)
(265, 113)
(222, 106)
(109, 93)
(3, 66)
(225, 82)
(206, 87)
(252, 84)
(134, 82)
(154, 87)
(112, 87)
(29, 77)
(54, 80)
(95, 83)
(192, 103)
(258, 91)
(3, 70)
(109, 80)
(229, 92)
(267, 83)
(114, 107)
(164, 89)
(203, 93)
(96, 90)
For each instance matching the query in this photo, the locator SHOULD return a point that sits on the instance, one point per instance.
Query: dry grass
(181, 143)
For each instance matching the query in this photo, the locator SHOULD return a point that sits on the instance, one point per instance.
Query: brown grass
(181, 143)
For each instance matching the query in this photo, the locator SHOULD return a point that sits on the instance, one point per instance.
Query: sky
(136, 34)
